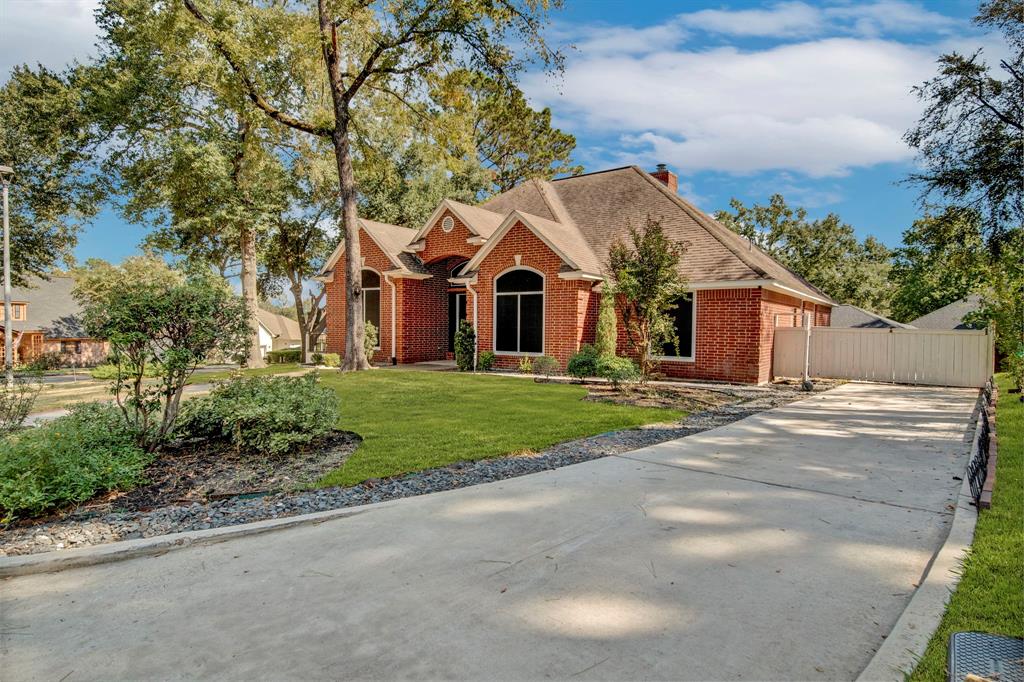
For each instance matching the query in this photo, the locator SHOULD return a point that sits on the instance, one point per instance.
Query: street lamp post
(6, 173)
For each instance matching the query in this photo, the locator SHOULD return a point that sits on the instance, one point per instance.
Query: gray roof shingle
(51, 308)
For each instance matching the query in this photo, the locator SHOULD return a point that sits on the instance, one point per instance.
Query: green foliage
(485, 361)
(526, 365)
(825, 252)
(942, 260)
(327, 359)
(15, 403)
(174, 325)
(607, 334)
(970, 138)
(371, 340)
(584, 363)
(1002, 293)
(111, 371)
(646, 275)
(97, 280)
(45, 137)
(545, 366)
(262, 414)
(465, 346)
(68, 460)
(283, 356)
(618, 370)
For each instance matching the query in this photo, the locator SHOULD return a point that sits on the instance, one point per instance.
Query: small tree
(607, 334)
(646, 276)
(465, 344)
(175, 325)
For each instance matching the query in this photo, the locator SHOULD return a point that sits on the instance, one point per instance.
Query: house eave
(580, 275)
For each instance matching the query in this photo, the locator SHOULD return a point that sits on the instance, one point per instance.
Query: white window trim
(494, 312)
(380, 300)
(693, 335)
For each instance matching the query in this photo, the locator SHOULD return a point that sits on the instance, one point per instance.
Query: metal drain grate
(989, 656)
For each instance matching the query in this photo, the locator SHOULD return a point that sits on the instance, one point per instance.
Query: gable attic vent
(448, 223)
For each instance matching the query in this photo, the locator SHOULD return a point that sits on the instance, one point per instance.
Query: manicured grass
(417, 420)
(990, 596)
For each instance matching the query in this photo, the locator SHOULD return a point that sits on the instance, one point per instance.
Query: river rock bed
(79, 530)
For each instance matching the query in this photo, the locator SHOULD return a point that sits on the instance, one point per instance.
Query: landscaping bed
(196, 476)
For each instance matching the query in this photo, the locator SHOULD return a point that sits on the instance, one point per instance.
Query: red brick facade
(734, 327)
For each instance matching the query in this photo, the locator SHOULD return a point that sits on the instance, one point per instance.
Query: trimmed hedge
(284, 357)
(327, 359)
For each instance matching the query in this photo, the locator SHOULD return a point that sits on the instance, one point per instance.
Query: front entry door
(456, 314)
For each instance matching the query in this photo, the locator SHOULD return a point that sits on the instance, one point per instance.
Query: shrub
(283, 357)
(107, 371)
(545, 366)
(584, 363)
(485, 361)
(526, 365)
(607, 336)
(68, 460)
(327, 359)
(371, 339)
(618, 370)
(465, 345)
(15, 403)
(46, 361)
(262, 414)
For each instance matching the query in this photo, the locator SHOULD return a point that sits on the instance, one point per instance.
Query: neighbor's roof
(950, 316)
(51, 308)
(851, 316)
(279, 326)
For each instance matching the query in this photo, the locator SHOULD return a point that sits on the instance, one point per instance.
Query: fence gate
(903, 356)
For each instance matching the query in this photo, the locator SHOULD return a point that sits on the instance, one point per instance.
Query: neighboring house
(526, 266)
(851, 316)
(951, 316)
(47, 319)
(277, 332)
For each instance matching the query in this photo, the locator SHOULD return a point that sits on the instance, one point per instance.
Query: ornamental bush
(618, 370)
(465, 344)
(545, 366)
(327, 359)
(15, 403)
(262, 414)
(107, 371)
(68, 460)
(371, 339)
(584, 363)
(485, 361)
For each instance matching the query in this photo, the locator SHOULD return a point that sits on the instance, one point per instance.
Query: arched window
(519, 312)
(371, 300)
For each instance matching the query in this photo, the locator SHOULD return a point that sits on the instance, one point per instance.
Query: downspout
(394, 339)
(476, 335)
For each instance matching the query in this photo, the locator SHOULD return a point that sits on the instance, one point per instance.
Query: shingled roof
(51, 308)
(583, 215)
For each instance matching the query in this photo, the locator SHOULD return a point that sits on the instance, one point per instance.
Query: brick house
(525, 267)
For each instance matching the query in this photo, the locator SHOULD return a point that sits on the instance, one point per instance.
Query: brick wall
(375, 259)
(441, 244)
(565, 301)
(423, 329)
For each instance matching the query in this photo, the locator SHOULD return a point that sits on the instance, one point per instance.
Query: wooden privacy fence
(902, 356)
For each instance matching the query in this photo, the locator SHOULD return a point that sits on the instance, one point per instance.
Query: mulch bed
(684, 398)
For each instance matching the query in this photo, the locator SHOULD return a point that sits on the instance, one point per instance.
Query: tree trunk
(300, 311)
(248, 249)
(355, 355)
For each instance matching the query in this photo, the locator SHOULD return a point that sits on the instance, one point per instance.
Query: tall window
(519, 312)
(683, 321)
(371, 300)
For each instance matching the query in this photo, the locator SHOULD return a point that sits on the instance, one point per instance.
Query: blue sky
(741, 99)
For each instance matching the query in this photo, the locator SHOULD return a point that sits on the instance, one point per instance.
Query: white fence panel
(910, 356)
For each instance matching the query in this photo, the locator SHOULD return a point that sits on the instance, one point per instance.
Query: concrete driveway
(783, 546)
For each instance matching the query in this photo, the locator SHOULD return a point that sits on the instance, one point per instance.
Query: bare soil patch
(684, 398)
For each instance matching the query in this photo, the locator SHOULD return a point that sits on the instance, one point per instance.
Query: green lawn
(990, 596)
(417, 420)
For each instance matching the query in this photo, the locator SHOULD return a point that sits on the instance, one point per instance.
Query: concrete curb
(909, 637)
(51, 562)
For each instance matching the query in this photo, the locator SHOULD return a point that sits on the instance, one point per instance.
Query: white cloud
(818, 107)
(781, 20)
(50, 32)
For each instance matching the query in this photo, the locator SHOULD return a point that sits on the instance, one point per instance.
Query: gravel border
(75, 531)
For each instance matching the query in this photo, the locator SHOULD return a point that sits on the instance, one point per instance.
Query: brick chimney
(670, 179)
